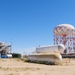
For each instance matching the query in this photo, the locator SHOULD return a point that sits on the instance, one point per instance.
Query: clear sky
(29, 23)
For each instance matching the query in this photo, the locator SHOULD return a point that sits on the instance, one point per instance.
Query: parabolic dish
(63, 29)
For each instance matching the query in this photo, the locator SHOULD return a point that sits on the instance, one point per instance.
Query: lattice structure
(74, 40)
(65, 34)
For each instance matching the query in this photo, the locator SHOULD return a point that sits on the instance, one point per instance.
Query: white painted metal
(63, 29)
(47, 54)
(46, 49)
(9, 55)
(48, 58)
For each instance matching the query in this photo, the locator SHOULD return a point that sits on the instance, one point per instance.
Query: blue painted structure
(4, 56)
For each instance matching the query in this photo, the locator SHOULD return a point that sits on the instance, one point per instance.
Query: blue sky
(29, 23)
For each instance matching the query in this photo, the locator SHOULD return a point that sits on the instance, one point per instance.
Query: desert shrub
(16, 55)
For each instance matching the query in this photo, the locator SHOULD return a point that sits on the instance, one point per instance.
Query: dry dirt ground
(19, 67)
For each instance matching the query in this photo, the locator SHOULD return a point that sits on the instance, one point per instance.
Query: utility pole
(11, 46)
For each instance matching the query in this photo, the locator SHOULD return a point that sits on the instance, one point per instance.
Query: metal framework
(68, 40)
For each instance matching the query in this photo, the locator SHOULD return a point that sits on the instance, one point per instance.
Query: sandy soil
(18, 67)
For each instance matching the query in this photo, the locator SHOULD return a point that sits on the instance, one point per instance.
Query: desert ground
(19, 67)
